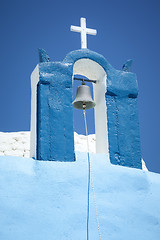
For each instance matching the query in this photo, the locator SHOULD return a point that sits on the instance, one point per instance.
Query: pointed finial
(43, 56)
(127, 66)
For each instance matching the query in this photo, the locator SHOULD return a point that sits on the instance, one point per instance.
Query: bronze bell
(83, 98)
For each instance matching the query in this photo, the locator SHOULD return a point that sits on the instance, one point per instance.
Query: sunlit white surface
(18, 144)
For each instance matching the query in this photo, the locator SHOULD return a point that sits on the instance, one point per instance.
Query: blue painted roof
(48, 200)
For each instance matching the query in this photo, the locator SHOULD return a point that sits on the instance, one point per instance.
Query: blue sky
(126, 30)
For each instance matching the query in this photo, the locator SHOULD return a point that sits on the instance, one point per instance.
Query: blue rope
(89, 173)
(89, 179)
(88, 197)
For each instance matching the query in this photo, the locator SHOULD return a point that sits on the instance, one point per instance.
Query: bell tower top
(84, 31)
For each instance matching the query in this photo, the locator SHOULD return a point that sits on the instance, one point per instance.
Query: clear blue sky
(126, 29)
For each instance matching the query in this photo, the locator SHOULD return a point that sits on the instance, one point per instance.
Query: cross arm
(91, 31)
(75, 29)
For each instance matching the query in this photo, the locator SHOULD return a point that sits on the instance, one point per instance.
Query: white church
(56, 184)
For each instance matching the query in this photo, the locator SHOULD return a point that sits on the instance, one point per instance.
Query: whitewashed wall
(94, 71)
(33, 138)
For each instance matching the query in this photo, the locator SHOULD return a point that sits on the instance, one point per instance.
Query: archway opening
(92, 70)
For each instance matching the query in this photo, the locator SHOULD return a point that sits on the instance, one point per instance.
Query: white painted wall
(33, 137)
(94, 71)
(18, 144)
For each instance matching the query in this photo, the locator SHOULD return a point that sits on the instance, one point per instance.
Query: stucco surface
(55, 113)
(48, 200)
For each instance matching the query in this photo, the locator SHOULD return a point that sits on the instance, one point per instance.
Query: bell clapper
(84, 106)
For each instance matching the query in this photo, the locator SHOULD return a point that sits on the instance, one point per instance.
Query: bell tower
(116, 111)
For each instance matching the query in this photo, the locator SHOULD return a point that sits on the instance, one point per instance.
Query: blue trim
(122, 110)
(55, 114)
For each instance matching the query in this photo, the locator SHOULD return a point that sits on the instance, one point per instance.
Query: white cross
(84, 31)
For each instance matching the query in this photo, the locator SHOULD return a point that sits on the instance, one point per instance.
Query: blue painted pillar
(123, 123)
(55, 139)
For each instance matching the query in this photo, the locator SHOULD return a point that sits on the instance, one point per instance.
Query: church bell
(83, 98)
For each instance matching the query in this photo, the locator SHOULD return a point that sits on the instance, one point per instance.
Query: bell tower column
(52, 135)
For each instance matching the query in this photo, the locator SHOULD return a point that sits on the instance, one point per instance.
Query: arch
(122, 110)
(117, 125)
(93, 70)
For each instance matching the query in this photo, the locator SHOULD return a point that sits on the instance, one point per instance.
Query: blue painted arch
(55, 79)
